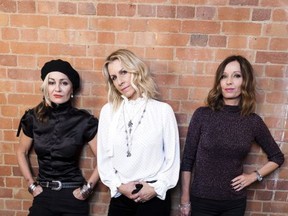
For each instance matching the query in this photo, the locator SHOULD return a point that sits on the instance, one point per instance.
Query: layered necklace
(131, 126)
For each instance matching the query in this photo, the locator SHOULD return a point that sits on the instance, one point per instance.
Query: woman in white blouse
(138, 141)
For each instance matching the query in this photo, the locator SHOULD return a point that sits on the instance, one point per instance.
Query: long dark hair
(248, 96)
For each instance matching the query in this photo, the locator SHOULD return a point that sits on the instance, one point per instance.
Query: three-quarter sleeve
(264, 138)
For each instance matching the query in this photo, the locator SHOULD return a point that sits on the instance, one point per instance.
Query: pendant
(128, 153)
(130, 124)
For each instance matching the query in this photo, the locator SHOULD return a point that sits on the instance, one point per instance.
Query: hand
(243, 181)
(38, 190)
(77, 194)
(126, 189)
(146, 193)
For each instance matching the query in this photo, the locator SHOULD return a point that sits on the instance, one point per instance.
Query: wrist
(259, 177)
(32, 187)
(86, 190)
(185, 205)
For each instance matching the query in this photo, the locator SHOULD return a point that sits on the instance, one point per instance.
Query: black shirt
(59, 141)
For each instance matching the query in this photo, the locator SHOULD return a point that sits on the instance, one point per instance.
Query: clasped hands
(142, 191)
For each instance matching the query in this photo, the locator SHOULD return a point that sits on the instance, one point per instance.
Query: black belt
(58, 185)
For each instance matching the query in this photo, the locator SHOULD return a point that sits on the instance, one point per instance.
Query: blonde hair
(141, 79)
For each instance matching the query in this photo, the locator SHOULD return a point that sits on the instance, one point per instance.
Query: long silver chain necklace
(129, 128)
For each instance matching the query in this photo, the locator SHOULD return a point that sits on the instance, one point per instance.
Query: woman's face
(231, 82)
(59, 87)
(122, 80)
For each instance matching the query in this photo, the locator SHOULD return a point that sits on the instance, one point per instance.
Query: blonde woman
(58, 131)
(138, 142)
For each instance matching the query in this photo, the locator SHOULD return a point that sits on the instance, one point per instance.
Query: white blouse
(153, 144)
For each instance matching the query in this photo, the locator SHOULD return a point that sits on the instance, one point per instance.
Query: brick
(185, 12)
(9, 111)
(7, 213)
(275, 71)
(29, 35)
(14, 205)
(158, 67)
(198, 40)
(275, 3)
(261, 14)
(29, 48)
(171, 26)
(179, 94)
(275, 207)
(166, 80)
(241, 28)
(47, 7)
(199, 94)
(244, 2)
(106, 9)
(258, 43)
(172, 39)
(204, 27)
(26, 7)
(32, 21)
(87, 8)
(147, 10)
(106, 37)
(26, 62)
(217, 41)
(8, 6)
(201, 54)
(166, 11)
(4, 20)
(272, 57)
(9, 34)
(7, 60)
(110, 24)
(279, 15)
(263, 195)
(237, 42)
(66, 49)
(228, 13)
(279, 44)
(23, 74)
(127, 10)
(276, 30)
(280, 196)
(65, 22)
(159, 53)
(125, 38)
(205, 13)
(67, 8)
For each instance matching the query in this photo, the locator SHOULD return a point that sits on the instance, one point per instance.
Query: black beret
(63, 67)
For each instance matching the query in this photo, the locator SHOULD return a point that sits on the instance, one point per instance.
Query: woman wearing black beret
(57, 131)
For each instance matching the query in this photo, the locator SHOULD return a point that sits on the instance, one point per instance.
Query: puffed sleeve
(26, 124)
(91, 128)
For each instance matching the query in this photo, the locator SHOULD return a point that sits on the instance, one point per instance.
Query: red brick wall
(183, 41)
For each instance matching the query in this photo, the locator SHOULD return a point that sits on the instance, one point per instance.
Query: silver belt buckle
(59, 186)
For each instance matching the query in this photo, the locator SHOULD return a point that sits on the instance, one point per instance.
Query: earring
(72, 96)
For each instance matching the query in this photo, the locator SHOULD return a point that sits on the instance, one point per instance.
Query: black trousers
(207, 207)
(58, 203)
(123, 206)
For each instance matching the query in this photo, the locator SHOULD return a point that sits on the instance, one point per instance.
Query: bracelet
(32, 187)
(86, 190)
(185, 205)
